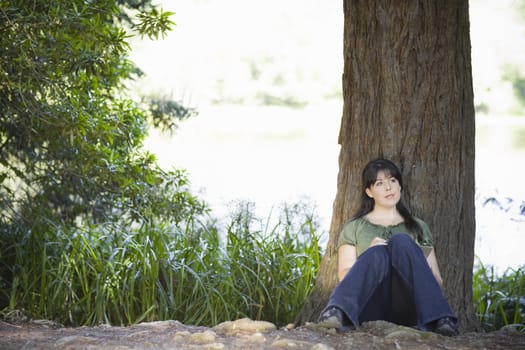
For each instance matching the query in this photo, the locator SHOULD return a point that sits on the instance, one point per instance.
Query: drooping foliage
(71, 132)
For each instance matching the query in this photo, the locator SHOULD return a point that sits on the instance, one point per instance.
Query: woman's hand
(432, 262)
(378, 241)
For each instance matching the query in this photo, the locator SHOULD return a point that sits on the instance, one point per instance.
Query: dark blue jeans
(391, 282)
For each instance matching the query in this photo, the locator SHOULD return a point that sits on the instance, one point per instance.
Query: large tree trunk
(407, 88)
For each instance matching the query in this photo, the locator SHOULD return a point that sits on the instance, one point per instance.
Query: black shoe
(331, 318)
(446, 326)
(334, 318)
(424, 328)
(346, 328)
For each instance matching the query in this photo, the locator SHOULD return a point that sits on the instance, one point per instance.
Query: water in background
(270, 155)
(500, 191)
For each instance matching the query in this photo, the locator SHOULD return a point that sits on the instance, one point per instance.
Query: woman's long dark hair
(369, 177)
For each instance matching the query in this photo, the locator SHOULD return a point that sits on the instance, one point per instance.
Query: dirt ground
(243, 334)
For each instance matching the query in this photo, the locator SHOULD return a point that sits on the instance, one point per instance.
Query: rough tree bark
(407, 88)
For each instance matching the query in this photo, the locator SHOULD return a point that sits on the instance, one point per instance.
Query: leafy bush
(71, 130)
(499, 300)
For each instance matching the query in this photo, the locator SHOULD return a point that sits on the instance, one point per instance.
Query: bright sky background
(270, 154)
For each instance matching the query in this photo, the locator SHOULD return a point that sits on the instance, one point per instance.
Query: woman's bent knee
(401, 240)
(376, 255)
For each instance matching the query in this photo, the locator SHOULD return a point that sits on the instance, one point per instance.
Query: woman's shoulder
(427, 234)
(352, 229)
(421, 222)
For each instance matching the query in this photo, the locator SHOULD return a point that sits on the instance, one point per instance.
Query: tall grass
(201, 273)
(196, 274)
(499, 300)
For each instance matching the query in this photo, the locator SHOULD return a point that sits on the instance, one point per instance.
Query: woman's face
(385, 191)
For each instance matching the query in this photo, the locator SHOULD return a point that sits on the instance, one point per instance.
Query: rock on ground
(243, 334)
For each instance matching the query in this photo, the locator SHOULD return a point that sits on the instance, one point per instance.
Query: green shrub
(499, 300)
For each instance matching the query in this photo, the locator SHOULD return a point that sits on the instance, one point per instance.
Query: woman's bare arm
(432, 262)
(347, 255)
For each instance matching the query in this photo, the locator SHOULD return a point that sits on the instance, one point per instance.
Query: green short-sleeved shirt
(360, 232)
